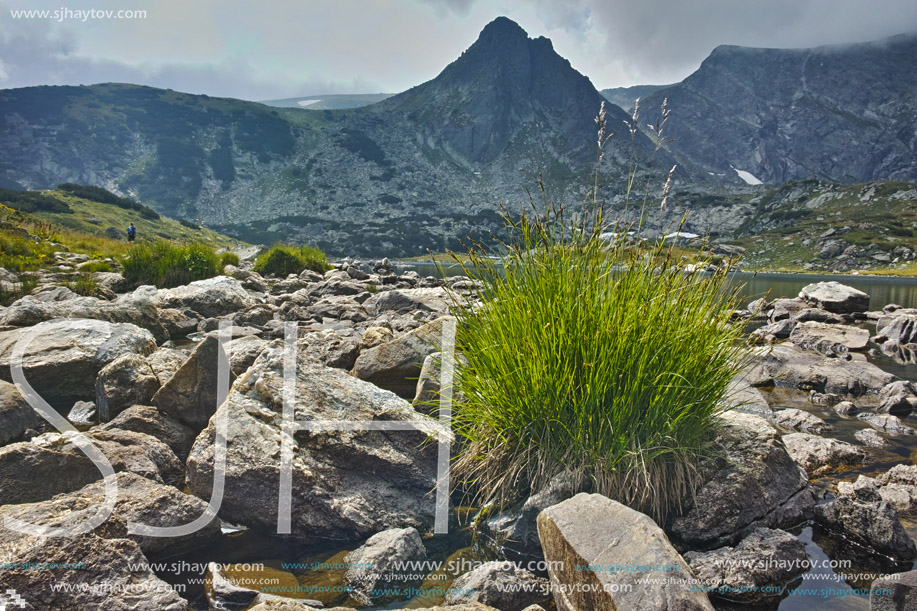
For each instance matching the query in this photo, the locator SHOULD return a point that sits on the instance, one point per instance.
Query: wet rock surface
(860, 512)
(502, 585)
(749, 572)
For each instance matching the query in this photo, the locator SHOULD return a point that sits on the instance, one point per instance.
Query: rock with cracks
(50, 464)
(835, 297)
(346, 484)
(752, 482)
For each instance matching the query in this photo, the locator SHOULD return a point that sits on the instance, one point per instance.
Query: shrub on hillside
(166, 265)
(229, 258)
(282, 260)
(98, 194)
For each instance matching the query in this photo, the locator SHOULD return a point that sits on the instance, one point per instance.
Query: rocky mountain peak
(502, 28)
(502, 84)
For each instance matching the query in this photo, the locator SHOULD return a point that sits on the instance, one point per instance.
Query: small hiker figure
(131, 233)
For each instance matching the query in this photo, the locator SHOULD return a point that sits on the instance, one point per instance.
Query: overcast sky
(269, 49)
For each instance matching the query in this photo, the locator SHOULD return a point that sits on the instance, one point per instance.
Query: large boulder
(50, 464)
(586, 537)
(113, 575)
(16, 415)
(790, 366)
(402, 301)
(861, 514)
(347, 484)
(148, 420)
(818, 454)
(752, 482)
(66, 355)
(127, 380)
(139, 500)
(396, 365)
(137, 308)
(212, 298)
(818, 335)
(758, 568)
(385, 563)
(190, 395)
(503, 585)
(835, 297)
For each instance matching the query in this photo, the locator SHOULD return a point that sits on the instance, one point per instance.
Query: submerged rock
(871, 438)
(347, 484)
(861, 514)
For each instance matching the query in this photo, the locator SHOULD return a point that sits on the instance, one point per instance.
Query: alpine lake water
(822, 587)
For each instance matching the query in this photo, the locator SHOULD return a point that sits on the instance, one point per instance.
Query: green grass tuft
(166, 265)
(607, 361)
(282, 260)
(229, 258)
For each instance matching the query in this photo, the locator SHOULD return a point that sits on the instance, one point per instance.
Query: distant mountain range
(337, 101)
(424, 168)
(846, 113)
(626, 96)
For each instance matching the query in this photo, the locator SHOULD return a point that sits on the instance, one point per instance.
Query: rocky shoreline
(136, 373)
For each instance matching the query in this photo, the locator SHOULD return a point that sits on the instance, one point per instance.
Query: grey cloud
(34, 55)
(457, 7)
(663, 41)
